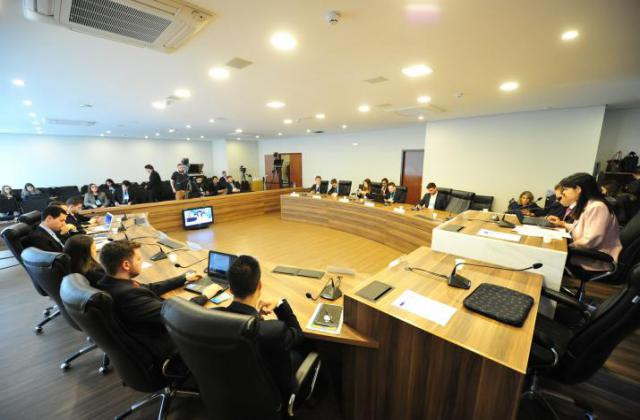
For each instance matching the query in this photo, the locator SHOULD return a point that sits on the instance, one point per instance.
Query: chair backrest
(630, 254)
(376, 187)
(344, 187)
(47, 269)
(401, 194)
(16, 237)
(92, 310)
(35, 202)
(459, 201)
(33, 218)
(481, 202)
(221, 351)
(324, 186)
(614, 319)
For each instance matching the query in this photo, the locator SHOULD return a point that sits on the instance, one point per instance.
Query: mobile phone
(221, 297)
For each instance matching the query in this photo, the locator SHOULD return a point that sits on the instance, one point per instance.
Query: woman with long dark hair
(367, 190)
(595, 226)
(82, 251)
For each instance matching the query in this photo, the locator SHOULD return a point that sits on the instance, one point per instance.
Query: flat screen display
(197, 217)
(219, 263)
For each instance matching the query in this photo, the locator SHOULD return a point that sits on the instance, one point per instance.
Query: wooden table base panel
(415, 375)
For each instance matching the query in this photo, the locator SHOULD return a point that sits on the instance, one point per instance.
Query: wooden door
(295, 169)
(412, 161)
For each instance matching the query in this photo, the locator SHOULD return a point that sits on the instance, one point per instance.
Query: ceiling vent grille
(374, 80)
(415, 111)
(238, 63)
(163, 25)
(62, 121)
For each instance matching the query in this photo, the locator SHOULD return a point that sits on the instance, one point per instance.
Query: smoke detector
(332, 17)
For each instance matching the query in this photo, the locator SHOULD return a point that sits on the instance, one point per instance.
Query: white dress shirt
(432, 201)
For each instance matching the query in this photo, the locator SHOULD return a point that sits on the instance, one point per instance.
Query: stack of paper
(531, 230)
(425, 307)
(499, 235)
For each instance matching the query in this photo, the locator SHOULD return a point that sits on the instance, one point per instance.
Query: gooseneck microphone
(189, 265)
(456, 280)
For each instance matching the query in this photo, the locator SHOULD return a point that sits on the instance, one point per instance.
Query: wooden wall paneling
(412, 162)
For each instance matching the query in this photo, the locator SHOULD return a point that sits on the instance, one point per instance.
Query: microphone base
(331, 292)
(459, 282)
(505, 224)
(158, 256)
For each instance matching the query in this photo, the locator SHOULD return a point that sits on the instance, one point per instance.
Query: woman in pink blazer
(595, 226)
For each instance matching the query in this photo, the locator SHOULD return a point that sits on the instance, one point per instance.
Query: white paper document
(529, 230)
(399, 210)
(499, 235)
(316, 197)
(369, 204)
(424, 307)
(146, 264)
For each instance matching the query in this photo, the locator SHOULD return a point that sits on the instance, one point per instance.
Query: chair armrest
(591, 254)
(174, 368)
(564, 299)
(305, 380)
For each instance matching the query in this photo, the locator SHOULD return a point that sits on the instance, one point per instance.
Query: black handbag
(615, 163)
(630, 162)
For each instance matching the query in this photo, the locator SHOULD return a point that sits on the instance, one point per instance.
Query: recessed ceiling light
(288, 121)
(424, 99)
(18, 82)
(308, 130)
(32, 114)
(421, 117)
(354, 144)
(417, 70)
(108, 131)
(279, 134)
(27, 102)
(238, 130)
(237, 138)
(159, 104)
(182, 93)
(257, 137)
(157, 134)
(146, 137)
(283, 41)
(201, 137)
(188, 138)
(211, 120)
(275, 104)
(320, 116)
(570, 35)
(101, 134)
(171, 130)
(187, 126)
(364, 108)
(219, 73)
(509, 86)
(344, 126)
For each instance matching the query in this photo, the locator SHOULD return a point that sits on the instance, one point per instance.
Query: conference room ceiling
(72, 79)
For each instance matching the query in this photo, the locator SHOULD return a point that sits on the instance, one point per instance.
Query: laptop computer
(108, 220)
(217, 269)
(529, 220)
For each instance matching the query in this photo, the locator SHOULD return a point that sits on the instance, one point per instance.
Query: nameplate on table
(399, 210)
(499, 235)
(316, 197)
(369, 204)
(295, 194)
(424, 307)
(344, 200)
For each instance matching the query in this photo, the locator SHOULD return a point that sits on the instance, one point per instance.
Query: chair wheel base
(65, 366)
(38, 330)
(103, 370)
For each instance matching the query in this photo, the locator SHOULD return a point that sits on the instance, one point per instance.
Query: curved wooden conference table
(395, 364)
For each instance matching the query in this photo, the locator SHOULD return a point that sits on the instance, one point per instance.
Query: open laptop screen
(219, 263)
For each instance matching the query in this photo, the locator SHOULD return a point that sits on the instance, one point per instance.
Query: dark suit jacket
(332, 190)
(230, 186)
(118, 196)
(276, 339)
(41, 239)
(441, 201)
(138, 308)
(315, 189)
(396, 196)
(533, 208)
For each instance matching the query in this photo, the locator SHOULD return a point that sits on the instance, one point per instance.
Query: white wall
(243, 153)
(378, 154)
(55, 161)
(505, 154)
(621, 131)
(220, 162)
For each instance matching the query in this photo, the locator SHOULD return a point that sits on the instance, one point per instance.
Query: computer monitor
(195, 168)
(219, 264)
(197, 217)
(108, 219)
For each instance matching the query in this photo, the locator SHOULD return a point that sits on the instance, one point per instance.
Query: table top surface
(474, 220)
(500, 342)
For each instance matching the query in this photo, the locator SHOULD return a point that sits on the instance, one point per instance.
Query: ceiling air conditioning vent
(162, 25)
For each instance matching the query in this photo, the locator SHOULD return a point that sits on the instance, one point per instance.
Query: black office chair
(615, 273)
(35, 202)
(92, 310)
(47, 269)
(344, 188)
(569, 355)
(32, 218)
(481, 202)
(459, 201)
(16, 237)
(324, 186)
(221, 351)
(376, 187)
(401, 194)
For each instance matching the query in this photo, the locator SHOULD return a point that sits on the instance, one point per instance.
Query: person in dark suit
(393, 195)
(384, 187)
(123, 195)
(280, 341)
(432, 200)
(333, 189)
(138, 306)
(316, 187)
(74, 205)
(110, 189)
(232, 186)
(154, 186)
(526, 204)
(214, 186)
(200, 187)
(556, 208)
(46, 235)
